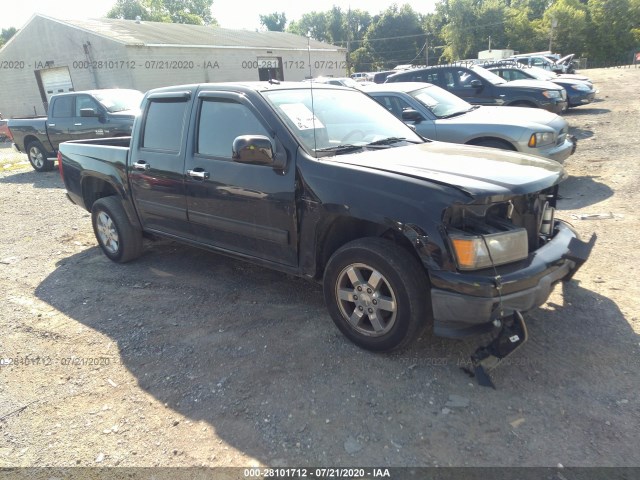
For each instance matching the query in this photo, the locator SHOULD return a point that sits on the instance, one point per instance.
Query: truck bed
(99, 158)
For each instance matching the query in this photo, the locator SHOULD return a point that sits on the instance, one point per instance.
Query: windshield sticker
(301, 116)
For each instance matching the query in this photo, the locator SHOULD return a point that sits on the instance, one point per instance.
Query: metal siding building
(108, 53)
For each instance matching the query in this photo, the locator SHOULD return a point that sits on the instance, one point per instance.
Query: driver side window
(221, 121)
(465, 78)
(84, 101)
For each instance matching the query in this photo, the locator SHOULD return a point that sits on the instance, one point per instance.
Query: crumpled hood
(478, 171)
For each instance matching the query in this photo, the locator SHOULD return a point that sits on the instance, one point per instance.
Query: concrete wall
(99, 62)
(42, 41)
(162, 66)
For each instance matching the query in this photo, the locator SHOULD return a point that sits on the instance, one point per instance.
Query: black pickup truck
(324, 183)
(74, 116)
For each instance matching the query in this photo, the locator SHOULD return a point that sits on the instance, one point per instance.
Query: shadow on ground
(580, 192)
(253, 353)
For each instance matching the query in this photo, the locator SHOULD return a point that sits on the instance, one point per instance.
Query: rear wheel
(38, 157)
(376, 293)
(118, 239)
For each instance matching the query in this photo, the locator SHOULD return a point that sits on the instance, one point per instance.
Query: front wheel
(38, 157)
(377, 294)
(118, 239)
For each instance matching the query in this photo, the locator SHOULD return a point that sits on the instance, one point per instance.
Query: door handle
(52, 124)
(77, 124)
(198, 173)
(141, 165)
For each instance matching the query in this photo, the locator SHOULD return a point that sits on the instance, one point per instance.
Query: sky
(229, 13)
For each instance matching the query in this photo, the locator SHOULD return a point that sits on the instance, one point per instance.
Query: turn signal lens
(474, 252)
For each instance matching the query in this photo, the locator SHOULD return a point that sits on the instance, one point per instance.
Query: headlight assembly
(541, 139)
(552, 94)
(474, 252)
(581, 87)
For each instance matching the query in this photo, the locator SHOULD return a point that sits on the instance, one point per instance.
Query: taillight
(60, 166)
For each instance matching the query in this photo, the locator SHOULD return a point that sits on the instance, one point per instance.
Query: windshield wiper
(389, 141)
(338, 149)
(455, 114)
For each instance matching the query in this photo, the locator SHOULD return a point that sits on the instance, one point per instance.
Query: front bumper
(555, 105)
(464, 303)
(559, 153)
(582, 99)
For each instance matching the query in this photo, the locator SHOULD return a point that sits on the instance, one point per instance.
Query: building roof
(129, 32)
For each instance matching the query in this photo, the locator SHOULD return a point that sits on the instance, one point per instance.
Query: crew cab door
(156, 164)
(87, 127)
(60, 119)
(240, 207)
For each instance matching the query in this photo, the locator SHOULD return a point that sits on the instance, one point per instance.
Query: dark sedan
(579, 92)
(479, 86)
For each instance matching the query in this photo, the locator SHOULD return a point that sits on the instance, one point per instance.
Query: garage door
(56, 80)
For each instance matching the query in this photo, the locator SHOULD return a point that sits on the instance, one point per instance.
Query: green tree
(395, 37)
(6, 35)
(569, 35)
(196, 12)
(524, 29)
(313, 24)
(611, 36)
(274, 22)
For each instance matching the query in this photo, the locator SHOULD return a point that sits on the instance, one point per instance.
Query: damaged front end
(505, 256)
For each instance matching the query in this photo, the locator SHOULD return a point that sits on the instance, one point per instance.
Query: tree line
(604, 31)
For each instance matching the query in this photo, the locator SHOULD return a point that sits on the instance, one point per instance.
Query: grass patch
(12, 160)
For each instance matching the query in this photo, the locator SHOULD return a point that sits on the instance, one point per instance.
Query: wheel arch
(522, 103)
(488, 138)
(95, 188)
(337, 231)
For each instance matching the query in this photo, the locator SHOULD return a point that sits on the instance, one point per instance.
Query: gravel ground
(186, 358)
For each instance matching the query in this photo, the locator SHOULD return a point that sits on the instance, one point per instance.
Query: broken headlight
(474, 252)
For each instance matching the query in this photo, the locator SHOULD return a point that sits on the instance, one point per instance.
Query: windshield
(440, 102)
(341, 120)
(119, 100)
(488, 76)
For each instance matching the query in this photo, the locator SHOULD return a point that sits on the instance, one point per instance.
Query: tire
(375, 276)
(493, 144)
(118, 239)
(38, 157)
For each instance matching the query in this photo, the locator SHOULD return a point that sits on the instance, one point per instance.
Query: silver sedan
(440, 115)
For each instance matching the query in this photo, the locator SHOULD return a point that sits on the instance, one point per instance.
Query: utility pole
(554, 24)
(349, 41)
(489, 42)
(426, 51)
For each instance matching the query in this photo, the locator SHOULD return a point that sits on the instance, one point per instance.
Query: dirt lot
(185, 358)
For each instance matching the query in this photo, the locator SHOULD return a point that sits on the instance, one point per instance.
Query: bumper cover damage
(512, 332)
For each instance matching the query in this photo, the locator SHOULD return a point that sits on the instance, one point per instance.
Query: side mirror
(255, 150)
(475, 83)
(89, 112)
(411, 115)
